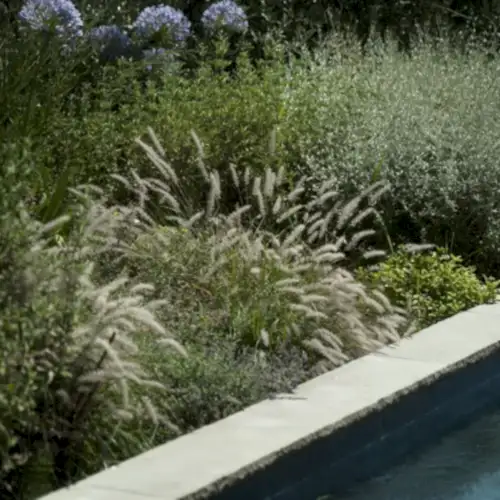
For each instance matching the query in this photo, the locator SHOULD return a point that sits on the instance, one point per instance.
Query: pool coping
(207, 461)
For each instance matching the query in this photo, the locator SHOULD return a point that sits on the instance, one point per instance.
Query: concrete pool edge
(205, 463)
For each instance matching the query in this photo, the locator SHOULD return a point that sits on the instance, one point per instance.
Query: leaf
(377, 171)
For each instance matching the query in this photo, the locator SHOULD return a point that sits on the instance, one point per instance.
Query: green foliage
(68, 354)
(336, 114)
(256, 287)
(433, 286)
(217, 379)
(427, 124)
(88, 374)
(233, 116)
(39, 77)
(225, 246)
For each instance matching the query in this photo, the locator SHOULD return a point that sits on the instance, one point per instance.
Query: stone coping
(201, 464)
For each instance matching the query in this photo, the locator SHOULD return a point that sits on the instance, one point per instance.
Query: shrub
(217, 379)
(433, 286)
(427, 124)
(232, 116)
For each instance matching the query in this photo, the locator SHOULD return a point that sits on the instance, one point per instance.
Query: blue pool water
(465, 465)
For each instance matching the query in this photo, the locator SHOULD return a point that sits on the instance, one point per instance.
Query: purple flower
(111, 33)
(110, 41)
(153, 20)
(227, 14)
(44, 15)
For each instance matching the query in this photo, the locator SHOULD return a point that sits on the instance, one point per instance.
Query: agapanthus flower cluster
(59, 15)
(225, 14)
(155, 26)
(153, 20)
(111, 42)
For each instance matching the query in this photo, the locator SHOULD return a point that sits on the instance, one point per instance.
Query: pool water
(464, 465)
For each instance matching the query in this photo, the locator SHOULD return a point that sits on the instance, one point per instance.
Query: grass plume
(243, 261)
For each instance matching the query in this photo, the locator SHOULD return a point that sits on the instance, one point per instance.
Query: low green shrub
(432, 286)
(218, 378)
(232, 115)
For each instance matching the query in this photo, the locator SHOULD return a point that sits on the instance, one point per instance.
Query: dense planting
(199, 211)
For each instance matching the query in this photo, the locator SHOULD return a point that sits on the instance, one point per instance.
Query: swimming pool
(464, 465)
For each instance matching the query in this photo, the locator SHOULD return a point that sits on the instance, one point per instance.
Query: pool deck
(212, 461)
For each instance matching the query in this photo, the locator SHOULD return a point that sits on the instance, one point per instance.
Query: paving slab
(451, 340)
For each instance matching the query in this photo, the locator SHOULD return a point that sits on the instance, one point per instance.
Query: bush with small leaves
(426, 124)
(219, 378)
(432, 286)
(233, 118)
(161, 59)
